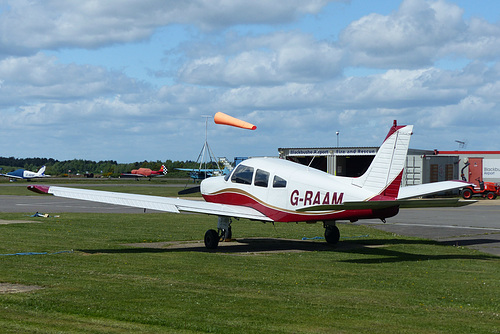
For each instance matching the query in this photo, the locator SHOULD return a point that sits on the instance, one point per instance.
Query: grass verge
(374, 283)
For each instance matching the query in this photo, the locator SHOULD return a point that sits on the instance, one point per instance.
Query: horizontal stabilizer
(433, 203)
(362, 205)
(430, 188)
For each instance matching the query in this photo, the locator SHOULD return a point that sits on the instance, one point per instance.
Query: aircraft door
(278, 192)
(261, 185)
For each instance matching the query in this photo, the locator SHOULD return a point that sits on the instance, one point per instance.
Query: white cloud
(27, 26)
(418, 33)
(265, 60)
(481, 40)
(39, 77)
(415, 36)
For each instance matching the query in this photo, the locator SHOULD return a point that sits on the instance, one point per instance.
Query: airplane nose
(211, 184)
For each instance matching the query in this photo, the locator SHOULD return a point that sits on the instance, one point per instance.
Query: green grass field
(381, 283)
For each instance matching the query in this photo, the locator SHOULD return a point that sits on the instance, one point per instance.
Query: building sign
(335, 151)
(491, 168)
(309, 152)
(355, 151)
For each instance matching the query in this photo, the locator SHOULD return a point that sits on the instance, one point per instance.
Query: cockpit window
(242, 174)
(261, 178)
(278, 182)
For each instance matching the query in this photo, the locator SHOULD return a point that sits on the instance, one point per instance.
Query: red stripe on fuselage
(241, 198)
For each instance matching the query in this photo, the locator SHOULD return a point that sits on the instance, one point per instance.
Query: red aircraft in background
(146, 172)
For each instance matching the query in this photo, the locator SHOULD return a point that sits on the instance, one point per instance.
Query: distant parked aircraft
(25, 174)
(146, 172)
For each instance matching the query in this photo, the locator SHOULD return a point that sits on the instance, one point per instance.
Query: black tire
(467, 193)
(211, 239)
(332, 234)
(491, 195)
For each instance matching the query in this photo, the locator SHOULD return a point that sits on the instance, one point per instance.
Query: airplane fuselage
(146, 172)
(279, 188)
(22, 174)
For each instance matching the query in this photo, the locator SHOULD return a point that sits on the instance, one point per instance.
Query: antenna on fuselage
(310, 162)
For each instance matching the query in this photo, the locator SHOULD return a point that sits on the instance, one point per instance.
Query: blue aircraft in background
(203, 173)
(25, 174)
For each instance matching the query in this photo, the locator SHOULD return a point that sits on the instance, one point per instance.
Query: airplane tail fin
(385, 173)
(164, 170)
(41, 171)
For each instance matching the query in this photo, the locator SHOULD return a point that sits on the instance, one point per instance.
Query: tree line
(80, 166)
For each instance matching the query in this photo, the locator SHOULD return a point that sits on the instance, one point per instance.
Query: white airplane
(25, 174)
(276, 190)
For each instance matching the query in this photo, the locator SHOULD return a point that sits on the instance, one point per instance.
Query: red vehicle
(490, 190)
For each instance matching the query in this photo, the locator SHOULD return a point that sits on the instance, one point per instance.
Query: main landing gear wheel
(211, 239)
(332, 234)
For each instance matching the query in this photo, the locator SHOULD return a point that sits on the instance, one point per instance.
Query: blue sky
(130, 80)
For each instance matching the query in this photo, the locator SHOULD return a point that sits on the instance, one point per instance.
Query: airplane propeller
(191, 190)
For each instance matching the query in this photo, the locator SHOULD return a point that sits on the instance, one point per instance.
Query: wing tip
(39, 189)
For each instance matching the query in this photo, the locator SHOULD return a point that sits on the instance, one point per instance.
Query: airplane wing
(430, 188)
(196, 170)
(11, 176)
(140, 175)
(167, 204)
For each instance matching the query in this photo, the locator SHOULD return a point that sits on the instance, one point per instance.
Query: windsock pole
(221, 118)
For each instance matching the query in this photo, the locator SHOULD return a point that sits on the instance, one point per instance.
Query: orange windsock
(221, 118)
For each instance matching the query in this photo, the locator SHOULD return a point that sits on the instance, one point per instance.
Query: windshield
(243, 174)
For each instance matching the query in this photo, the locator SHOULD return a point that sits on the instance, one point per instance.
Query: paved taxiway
(476, 226)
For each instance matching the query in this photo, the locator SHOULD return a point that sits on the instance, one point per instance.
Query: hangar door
(353, 166)
(475, 170)
(314, 162)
